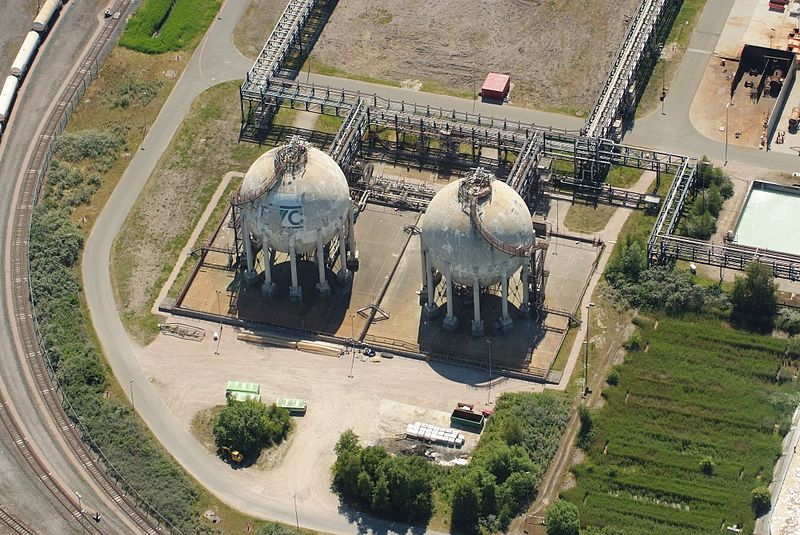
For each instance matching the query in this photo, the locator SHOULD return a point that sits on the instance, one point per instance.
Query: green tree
(562, 519)
(465, 505)
(249, 426)
(706, 465)
(587, 430)
(754, 297)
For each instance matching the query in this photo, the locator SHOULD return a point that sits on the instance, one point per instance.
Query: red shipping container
(496, 86)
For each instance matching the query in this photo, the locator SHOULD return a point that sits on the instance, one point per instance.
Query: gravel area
(556, 51)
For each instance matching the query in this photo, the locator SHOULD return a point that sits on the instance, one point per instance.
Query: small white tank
(294, 191)
(451, 236)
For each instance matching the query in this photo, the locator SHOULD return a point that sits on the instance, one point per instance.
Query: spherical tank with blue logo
(294, 192)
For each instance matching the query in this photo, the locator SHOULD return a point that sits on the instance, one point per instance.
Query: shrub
(754, 297)
(587, 430)
(613, 377)
(788, 320)
(761, 500)
(562, 518)
(633, 343)
(249, 426)
(95, 144)
(793, 347)
(275, 529)
(706, 465)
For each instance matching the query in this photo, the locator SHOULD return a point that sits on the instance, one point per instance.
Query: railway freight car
(7, 97)
(25, 54)
(46, 15)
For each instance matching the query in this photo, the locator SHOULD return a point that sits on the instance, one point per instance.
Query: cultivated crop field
(695, 390)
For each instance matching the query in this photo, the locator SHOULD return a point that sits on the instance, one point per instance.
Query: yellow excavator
(234, 455)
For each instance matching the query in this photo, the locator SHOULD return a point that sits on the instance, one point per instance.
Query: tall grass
(700, 390)
(164, 25)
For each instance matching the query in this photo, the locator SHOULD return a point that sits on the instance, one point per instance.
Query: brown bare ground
(558, 51)
(255, 26)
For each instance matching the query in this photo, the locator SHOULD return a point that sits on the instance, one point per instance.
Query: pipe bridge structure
(441, 135)
(628, 76)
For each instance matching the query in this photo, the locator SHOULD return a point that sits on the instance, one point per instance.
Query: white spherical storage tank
(477, 232)
(295, 199)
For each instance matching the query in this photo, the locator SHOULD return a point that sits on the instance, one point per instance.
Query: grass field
(588, 218)
(696, 389)
(160, 223)
(164, 25)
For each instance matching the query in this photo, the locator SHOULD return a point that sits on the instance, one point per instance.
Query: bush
(634, 342)
(761, 500)
(395, 487)
(788, 320)
(613, 377)
(754, 297)
(713, 188)
(793, 347)
(163, 25)
(671, 290)
(275, 529)
(95, 144)
(706, 465)
(587, 430)
(562, 519)
(249, 426)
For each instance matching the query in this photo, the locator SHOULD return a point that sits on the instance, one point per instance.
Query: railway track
(32, 355)
(13, 524)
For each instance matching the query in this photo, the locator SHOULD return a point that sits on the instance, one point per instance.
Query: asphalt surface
(216, 60)
(29, 500)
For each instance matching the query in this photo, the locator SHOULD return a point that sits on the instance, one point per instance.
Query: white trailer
(45, 15)
(25, 54)
(7, 97)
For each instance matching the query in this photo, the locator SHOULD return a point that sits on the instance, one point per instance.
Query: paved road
(215, 61)
(674, 131)
(20, 492)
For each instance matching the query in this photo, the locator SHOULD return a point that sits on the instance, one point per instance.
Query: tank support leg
(430, 307)
(505, 319)
(323, 286)
(450, 322)
(526, 271)
(295, 292)
(250, 272)
(477, 322)
(344, 273)
(268, 288)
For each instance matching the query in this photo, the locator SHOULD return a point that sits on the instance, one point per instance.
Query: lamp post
(474, 95)
(296, 517)
(219, 316)
(728, 105)
(130, 388)
(352, 343)
(80, 510)
(663, 77)
(586, 354)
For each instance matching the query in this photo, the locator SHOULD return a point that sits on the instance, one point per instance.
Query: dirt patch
(556, 52)
(254, 27)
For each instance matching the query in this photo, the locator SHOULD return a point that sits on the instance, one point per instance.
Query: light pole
(80, 510)
(296, 517)
(728, 105)
(352, 343)
(586, 355)
(489, 394)
(130, 388)
(663, 77)
(219, 315)
(474, 95)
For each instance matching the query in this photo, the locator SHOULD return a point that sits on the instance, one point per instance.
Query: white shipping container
(7, 96)
(25, 54)
(45, 15)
